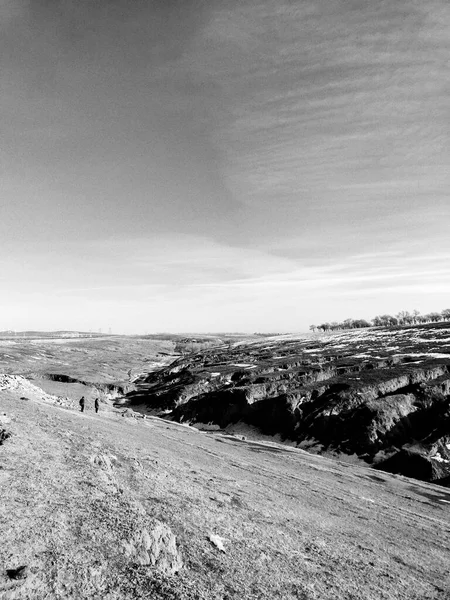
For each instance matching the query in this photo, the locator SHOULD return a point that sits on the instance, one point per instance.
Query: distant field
(99, 358)
(96, 359)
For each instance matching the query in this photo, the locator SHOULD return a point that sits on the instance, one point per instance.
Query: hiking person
(82, 403)
(96, 405)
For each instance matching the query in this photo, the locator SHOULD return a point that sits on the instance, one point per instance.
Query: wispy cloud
(328, 99)
(194, 283)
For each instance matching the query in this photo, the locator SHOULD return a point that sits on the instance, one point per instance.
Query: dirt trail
(77, 491)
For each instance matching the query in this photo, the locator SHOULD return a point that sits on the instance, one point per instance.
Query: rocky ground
(382, 395)
(113, 506)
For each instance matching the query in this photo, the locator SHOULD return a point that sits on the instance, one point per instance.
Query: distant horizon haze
(222, 165)
(307, 331)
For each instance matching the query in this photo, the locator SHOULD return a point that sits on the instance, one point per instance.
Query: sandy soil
(76, 489)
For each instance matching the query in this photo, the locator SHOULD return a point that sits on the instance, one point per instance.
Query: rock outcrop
(20, 384)
(155, 546)
(381, 394)
(112, 389)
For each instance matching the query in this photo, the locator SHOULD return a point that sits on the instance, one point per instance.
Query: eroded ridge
(382, 394)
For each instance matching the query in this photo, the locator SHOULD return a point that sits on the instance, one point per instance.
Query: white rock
(155, 546)
(217, 541)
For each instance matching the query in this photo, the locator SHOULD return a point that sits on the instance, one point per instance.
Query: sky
(222, 165)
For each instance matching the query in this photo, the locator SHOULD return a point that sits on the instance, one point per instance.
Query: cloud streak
(201, 281)
(331, 106)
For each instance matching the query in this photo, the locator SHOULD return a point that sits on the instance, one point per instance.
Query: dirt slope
(89, 503)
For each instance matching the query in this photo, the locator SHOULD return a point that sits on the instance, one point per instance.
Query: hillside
(117, 507)
(380, 395)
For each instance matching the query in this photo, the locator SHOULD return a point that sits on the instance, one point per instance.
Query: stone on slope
(155, 546)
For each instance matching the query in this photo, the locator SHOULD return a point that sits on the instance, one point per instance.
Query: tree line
(402, 318)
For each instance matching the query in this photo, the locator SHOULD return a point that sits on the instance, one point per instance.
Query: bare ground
(77, 489)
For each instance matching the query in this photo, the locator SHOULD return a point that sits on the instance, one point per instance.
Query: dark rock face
(429, 462)
(4, 435)
(382, 394)
(18, 573)
(104, 387)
